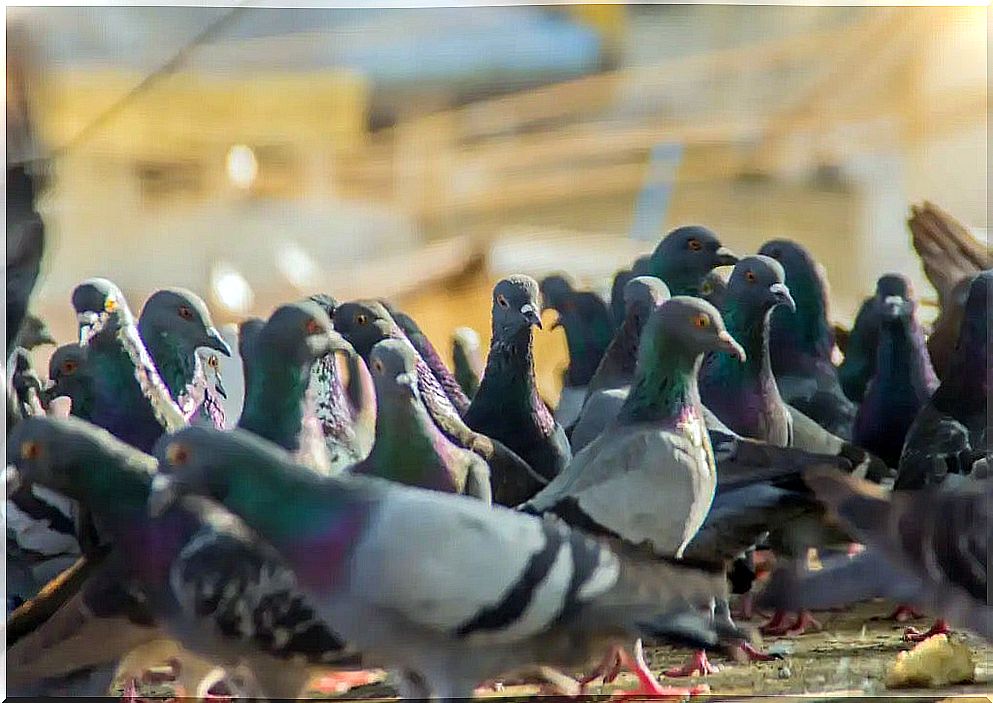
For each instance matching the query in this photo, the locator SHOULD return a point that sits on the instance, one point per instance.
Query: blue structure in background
(656, 193)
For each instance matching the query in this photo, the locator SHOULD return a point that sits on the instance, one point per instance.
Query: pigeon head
(393, 365)
(182, 317)
(25, 376)
(642, 266)
(689, 327)
(516, 306)
(297, 332)
(34, 333)
(555, 291)
(67, 455)
(643, 294)
(67, 372)
(364, 323)
(802, 271)
(758, 284)
(807, 330)
(327, 302)
(686, 255)
(894, 284)
(97, 301)
(715, 285)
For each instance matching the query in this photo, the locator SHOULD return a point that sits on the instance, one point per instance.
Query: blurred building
(256, 155)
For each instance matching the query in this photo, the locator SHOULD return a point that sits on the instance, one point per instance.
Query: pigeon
(130, 400)
(431, 357)
(409, 448)
(279, 402)
(467, 359)
(929, 547)
(248, 330)
(34, 333)
(642, 295)
(902, 383)
(685, 256)
(651, 478)
(346, 412)
(715, 285)
(192, 567)
(26, 384)
(507, 406)
(468, 593)
(588, 331)
(802, 343)
(859, 364)
(68, 377)
(364, 323)
(945, 329)
(25, 246)
(744, 395)
(952, 431)
(173, 324)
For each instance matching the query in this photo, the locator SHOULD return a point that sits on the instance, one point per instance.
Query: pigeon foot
(940, 627)
(698, 665)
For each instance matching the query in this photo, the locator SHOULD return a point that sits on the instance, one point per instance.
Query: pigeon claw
(698, 665)
(752, 654)
(778, 627)
(940, 627)
(648, 685)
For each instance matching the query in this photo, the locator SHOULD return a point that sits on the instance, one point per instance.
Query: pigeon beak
(407, 381)
(88, 326)
(781, 296)
(725, 257)
(13, 479)
(728, 344)
(531, 315)
(214, 340)
(163, 494)
(892, 307)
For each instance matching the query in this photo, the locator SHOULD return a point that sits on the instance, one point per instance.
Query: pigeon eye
(377, 366)
(694, 244)
(69, 367)
(707, 288)
(30, 450)
(185, 312)
(750, 276)
(212, 361)
(177, 454)
(312, 326)
(110, 305)
(502, 301)
(362, 319)
(702, 320)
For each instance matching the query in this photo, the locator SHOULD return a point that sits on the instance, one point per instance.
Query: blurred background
(258, 155)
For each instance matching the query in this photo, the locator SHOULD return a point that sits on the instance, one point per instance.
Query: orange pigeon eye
(362, 319)
(313, 327)
(502, 301)
(69, 367)
(750, 276)
(110, 305)
(702, 320)
(185, 312)
(30, 450)
(694, 244)
(177, 454)
(212, 361)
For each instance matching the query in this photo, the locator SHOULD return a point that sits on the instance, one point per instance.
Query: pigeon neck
(751, 329)
(432, 359)
(276, 401)
(408, 445)
(116, 488)
(176, 363)
(665, 387)
(587, 335)
(902, 362)
(621, 357)
(331, 405)
(805, 332)
(509, 378)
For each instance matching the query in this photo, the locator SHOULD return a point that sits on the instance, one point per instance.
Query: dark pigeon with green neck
(346, 413)
(642, 296)
(587, 324)
(507, 406)
(744, 395)
(409, 448)
(173, 324)
(902, 383)
(278, 405)
(192, 568)
(130, 400)
(801, 343)
(431, 357)
(365, 323)
(685, 256)
(859, 364)
(952, 431)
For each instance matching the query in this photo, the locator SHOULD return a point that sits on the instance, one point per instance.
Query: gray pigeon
(443, 587)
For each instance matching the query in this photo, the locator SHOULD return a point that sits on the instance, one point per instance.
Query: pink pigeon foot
(130, 692)
(609, 669)
(940, 627)
(698, 665)
(750, 653)
(648, 685)
(776, 624)
(777, 627)
(903, 613)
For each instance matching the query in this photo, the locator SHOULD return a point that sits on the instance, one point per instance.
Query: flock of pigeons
(371, 508)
